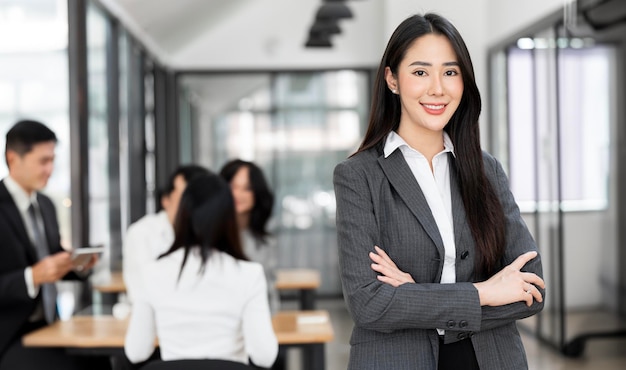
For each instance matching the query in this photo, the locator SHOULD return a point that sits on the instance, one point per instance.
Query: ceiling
(169, 28)
(165, 26)
(179, 33)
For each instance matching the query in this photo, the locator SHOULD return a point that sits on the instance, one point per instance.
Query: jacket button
(464, 255)
(463, 324)
(462, 336)
(451, 324)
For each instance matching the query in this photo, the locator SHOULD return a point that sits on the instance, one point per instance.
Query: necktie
(48, 291)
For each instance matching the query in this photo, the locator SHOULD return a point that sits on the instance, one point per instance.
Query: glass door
(557, 96)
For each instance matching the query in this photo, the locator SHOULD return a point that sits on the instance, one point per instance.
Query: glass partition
(559, 108)
(97, 30)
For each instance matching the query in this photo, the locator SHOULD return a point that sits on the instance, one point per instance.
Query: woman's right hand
(511, 285)
(389, 272)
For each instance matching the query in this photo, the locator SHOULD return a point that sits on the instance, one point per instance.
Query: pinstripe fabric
(380, 203)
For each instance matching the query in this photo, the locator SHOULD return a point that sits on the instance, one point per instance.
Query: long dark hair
(263, 196)
(206, 220)
(482, 206)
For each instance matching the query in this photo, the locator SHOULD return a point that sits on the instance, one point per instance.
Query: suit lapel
(461, 229)
(9, 211)
(463, 238)
(401, 178)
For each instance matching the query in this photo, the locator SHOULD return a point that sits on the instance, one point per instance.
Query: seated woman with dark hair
(202, 297)
(254, 202)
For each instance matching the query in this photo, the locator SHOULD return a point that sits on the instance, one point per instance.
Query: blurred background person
(32, 259)
(153, 234)
(254, 202)
(204, 299)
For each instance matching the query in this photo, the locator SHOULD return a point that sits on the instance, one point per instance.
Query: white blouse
(222, 313)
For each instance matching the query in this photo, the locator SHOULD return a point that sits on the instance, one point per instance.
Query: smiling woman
(431, 242)
(430, 86)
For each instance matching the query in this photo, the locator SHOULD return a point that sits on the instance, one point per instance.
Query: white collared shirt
(23, 201)
(222, 312)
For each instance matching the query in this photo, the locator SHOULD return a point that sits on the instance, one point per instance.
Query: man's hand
(51, 268)
(86, 266)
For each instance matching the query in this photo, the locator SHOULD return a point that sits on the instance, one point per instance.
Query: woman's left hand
(389, 272)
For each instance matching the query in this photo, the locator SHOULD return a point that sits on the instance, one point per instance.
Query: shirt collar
(21, 199)
(395, 141)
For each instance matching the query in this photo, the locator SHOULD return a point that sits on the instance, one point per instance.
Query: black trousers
(457, 356)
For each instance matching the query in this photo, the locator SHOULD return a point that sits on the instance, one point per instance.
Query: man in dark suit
(31, 256)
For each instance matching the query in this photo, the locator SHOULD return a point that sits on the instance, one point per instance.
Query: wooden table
(113, 285)
(309, 330)
(305, 281)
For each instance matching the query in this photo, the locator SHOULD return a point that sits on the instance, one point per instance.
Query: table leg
(313, 357)
(307, 299)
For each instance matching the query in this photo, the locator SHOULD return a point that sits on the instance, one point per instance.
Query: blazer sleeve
(373, 304)
(258, 333)
(13, 288)
(518, 241)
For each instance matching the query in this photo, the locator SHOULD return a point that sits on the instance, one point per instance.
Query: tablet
(81, 256)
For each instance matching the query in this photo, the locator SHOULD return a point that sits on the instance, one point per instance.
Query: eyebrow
(426, 64)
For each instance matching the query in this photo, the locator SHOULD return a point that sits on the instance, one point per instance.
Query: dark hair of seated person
(206, 220)
(263, 196)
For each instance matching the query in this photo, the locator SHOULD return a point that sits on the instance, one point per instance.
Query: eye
(451, 72)
(420, 73)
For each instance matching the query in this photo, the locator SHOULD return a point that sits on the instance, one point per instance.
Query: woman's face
(242, 191)
(429, 83)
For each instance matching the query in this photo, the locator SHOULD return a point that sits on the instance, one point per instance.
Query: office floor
(599, 354)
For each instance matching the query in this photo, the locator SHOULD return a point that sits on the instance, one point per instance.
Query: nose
(49, 168)
(436, 88)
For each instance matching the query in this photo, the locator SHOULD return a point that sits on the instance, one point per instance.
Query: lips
(434, 108)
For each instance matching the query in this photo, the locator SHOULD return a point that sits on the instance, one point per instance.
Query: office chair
(196, 365)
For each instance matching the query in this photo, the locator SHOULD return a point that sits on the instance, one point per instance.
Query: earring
(394, 91)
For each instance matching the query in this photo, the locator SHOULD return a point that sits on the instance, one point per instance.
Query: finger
(531, 278)
(528, 298)
(387, 280)
(536, 294)
(380, 260)
(531, 293)
(523, 260)
(62, 257)
(386, 271)
(384, 255)
(376, 258)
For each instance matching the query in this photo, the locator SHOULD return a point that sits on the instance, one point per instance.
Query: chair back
(196, 365)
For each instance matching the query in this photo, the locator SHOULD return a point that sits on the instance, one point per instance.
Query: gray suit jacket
(379, 202)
